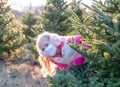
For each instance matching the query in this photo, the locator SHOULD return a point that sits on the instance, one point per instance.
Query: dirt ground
(21, 74)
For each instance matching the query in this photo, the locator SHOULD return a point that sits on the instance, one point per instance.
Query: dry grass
(21, 75)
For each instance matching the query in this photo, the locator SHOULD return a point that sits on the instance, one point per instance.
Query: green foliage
(11, 34)
(85, 76)
(74, 7)
(31, 30)
(103, 38)
(100, 27)
(111, 6)
(29, 20)
(32, 48)
(54, 18)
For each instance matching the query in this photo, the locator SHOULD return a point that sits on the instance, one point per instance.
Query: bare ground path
(21, 74)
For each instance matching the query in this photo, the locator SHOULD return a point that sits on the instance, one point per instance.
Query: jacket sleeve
(61, 66)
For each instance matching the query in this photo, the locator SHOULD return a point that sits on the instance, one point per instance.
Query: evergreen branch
(74, 15)
(115, 21)
(87, 6)
(74, 22)
(107, 48)
(115, 45)
(93, 29)
(99, 11)
(86, 19)
(107, 27)
(115, 5)
(98, 3)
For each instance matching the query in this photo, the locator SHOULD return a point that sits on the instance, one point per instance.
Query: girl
(54, 49)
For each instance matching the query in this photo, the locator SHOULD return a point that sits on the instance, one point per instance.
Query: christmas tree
(31, 30)
(29, 20)
(101, 30)
(53, 19)
(11, 34)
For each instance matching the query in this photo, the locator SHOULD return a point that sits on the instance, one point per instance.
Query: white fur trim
(68, 54)
(55, 40)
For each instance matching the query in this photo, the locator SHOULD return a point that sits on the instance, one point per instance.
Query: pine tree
(11, 37)
(101, 30)
(75, 6)
(31, 29)
(29, 20)
(54, 17)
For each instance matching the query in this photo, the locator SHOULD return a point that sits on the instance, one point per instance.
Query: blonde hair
(48, 68)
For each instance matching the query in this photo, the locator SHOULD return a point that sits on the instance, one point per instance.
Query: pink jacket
(80, 60)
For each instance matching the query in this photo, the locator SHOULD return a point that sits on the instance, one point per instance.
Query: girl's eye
(43, 49)
(46, 45)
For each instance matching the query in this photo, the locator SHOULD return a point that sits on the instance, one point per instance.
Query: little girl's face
(44, 43)
(47, 48)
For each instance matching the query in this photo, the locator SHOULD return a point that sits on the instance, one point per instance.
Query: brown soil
(21, 74)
